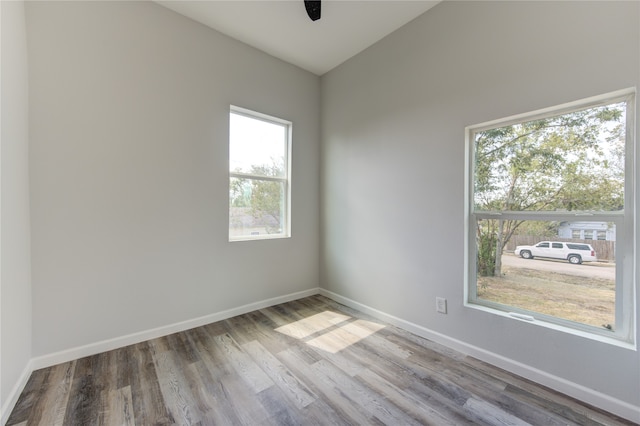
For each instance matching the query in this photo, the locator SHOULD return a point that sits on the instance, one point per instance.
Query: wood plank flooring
(307, 362)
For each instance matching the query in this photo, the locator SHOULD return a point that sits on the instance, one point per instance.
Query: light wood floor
(308, 362)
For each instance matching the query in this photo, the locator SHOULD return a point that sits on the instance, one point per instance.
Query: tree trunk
(497, 271)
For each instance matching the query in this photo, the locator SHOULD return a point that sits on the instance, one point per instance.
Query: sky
(254, 142)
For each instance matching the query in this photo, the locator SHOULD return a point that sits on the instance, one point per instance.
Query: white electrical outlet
(441, 305)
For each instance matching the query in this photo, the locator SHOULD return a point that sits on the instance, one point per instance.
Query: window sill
(614, 341)
(258, 237)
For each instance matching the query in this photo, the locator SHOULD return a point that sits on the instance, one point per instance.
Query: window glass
(567, 162)
(545, 281)
(256, 146)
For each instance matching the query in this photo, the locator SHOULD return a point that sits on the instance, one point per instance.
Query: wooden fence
(605, 250)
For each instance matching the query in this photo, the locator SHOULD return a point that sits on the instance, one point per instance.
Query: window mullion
(257, 177)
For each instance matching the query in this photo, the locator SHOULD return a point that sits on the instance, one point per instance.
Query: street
(587, 269)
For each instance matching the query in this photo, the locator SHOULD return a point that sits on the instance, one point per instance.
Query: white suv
(575, 253)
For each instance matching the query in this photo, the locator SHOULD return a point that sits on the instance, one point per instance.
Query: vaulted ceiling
(283, 29)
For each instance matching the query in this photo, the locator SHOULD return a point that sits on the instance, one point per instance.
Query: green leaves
(573, 161)
(260, 195)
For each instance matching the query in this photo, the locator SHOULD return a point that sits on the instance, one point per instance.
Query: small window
(528, 176)
(579, 247)
(259, 176)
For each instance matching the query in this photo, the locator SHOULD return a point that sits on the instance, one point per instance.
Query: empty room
(336, 212)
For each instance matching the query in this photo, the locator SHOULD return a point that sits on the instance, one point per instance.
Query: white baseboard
(590, 396)
(118, 342)
(15, 393)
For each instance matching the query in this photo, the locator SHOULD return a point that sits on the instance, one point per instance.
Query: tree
(569, 162)
(240, 192)
(261, 194)
(267, 197)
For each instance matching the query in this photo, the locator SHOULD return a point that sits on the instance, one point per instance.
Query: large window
(538, 185)
(259, 176)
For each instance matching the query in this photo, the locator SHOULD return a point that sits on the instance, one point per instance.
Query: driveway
(587, 269)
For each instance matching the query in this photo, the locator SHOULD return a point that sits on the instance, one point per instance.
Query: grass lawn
(585, 300)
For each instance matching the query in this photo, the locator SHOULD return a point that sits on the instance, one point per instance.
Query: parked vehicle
(575, 253)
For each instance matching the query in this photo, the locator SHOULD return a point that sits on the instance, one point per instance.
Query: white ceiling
(282, 28)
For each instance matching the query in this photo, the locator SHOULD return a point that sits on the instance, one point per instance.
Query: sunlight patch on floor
(312, 325)
(330, 331)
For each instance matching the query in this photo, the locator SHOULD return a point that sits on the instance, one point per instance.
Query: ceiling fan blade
(313, 9)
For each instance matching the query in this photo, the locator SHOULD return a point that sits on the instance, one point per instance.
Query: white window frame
(285, 180)
(625, 309)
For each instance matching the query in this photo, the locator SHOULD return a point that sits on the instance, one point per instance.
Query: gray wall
(393, 122)
(15, 276)
(129, 171)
